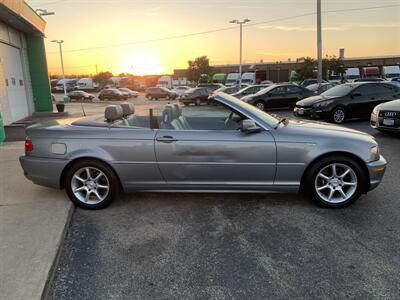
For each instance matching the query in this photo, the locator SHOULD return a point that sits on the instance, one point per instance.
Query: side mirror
(356, 95)
(249, 126)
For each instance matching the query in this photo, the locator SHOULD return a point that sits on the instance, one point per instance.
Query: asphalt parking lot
(244, 246)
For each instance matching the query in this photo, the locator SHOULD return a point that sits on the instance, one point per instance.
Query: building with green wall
(24, 81)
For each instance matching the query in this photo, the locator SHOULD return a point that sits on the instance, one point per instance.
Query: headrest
(168, 114)
(113, 112)
(127, 109)
(178, 109)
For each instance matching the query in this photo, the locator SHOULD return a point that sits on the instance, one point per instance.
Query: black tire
(338, 115)
(310, 181)
(260, 105)
(197, 102)
(107, 171)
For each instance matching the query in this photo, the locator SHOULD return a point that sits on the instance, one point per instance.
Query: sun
(143, 64)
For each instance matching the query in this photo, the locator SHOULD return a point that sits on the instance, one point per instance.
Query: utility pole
(319, 41)
(240, 59)
(59, 42)
(96, 69)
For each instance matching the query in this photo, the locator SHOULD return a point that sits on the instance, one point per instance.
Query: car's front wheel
(91, 184)
(335, 181)
(338, 115)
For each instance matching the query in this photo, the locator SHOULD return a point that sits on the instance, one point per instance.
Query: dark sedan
(160, 92)
(80, 96)
(386, 117)
(250, 90)
(347, 101)
(278, 96)
(319, 88)
(196, 96)
(112, 94)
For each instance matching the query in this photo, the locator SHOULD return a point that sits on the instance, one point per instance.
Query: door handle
(166, 139)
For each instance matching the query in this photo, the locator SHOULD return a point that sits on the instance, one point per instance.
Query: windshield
(339, 90)
(267, 118)
(266, 90)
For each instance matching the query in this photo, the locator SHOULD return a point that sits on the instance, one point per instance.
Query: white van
(352, 74)
(232, 79)
(87, 84)
(165, 81)
(249, 78)
(391, 72)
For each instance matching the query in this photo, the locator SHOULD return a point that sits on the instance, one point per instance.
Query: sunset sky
(124, 31)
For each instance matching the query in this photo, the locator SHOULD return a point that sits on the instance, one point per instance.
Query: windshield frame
(263, 118)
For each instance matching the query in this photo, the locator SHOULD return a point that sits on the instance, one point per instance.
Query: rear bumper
(376, 171)
(43, 171)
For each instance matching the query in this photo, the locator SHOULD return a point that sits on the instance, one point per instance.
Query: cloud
(299, 28)
(328, 28)
(263, 53)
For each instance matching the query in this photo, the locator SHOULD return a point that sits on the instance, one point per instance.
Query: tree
(332, 65)
(102, 78)
(307, 69)
(197, 67)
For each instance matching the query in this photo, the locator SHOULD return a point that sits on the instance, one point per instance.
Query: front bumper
(43, 171)
(377, 122)
(309, 112)
(376, 171)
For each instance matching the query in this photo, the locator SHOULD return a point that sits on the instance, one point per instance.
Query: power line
(223, 29)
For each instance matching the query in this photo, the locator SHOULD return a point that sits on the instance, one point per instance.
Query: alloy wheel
(260, 105)
(338, 115)
(90, 185)
(336, 183)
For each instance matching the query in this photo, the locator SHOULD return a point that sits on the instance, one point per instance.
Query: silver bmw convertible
(225, 146)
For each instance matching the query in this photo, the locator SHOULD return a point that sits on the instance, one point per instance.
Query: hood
(305, 129)
(313, 100)
(392, 105)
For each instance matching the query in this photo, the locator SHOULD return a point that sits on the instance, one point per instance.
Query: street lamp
(59, 42)
(240, 61)
(319, 42)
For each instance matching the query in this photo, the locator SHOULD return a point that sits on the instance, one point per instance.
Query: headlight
(322, 104)
(376, 110)
(374, 153)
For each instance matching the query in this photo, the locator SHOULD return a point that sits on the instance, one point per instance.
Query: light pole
(240, 60)
(59, 42)
(319, 42)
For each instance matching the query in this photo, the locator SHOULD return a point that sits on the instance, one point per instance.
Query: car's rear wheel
(198, 102)
(91, 184)
(335, 181)
(260, 105)
(338, 115)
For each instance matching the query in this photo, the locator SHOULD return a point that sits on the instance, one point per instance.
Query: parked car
(307, 82)
(250, 90)
(351, 74)
(284, 95)
(320, 88)
(179, 90)
(80, 95)
(230, 89)
(131, 94)
(112, 94)
(386, 116)
(160, 93)
(234, 147)
(269, 82)
(195, 96)
(211, 87)
(347, 101)
(367, 79)
(232, 79)
(389, 72)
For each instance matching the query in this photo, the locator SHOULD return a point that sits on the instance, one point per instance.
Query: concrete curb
(57, 255)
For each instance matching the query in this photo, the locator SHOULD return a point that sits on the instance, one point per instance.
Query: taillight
(28, 145)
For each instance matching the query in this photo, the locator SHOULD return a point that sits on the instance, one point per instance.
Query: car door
(212, 156)
(277, 97)
(362, 100)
